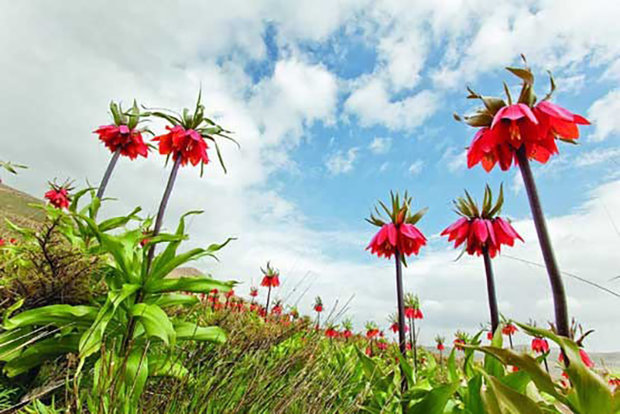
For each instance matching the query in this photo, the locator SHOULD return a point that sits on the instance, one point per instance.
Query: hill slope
(15, 206)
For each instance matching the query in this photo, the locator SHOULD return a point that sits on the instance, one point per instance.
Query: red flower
(253, 307)
(187, 144)
(372, 333)
(253, 292)
(368, 351)
(1, 242)
(331, 333)
(277, 310)
(515, 124)
(440, 347)
(540, 345)
(408, 346)
(486, 149)
(481, 232)
(270, 281)
(509, 329)
(120, 137)
(230, 293)
(515, 368)
(58, 196)
(347, 334)
(382, 345)
(458, 344)
(585, 358)
(418, 314)
(318, 308)
(405, 237)
(490, 335)
(394, 327)
(409, 312)
(615, 383)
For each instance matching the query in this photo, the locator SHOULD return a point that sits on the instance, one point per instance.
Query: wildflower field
(103, 315)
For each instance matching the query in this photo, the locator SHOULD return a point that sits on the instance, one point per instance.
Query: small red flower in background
(372, 330)
(230, 293)
(509, 329)
(440, 347)
(458, 344)
(382, 344)
(262, 312)
(253, 292)
(270, 277)
(277, 308)
(186, 144)
(58, 195)
(253, 307)
(615, 383)
(505, 128)
(515, 368)
(490, 336)
(347, 334)
(540, 345)
(318, 304)
(368, 351)
(480, 228)
(331, 332)
(2, 242)
(412, 307)
(121, 137)
(585, 358)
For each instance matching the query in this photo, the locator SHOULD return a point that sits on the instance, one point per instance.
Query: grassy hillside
(16, 206)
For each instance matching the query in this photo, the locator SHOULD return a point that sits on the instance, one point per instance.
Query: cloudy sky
(334, 103)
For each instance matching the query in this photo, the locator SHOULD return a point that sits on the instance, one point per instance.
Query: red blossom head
(294, 312)
(461, 339)
(382, 344)
(331, 331)
(318, 304)
(393, 319)
(412, 307)
(2, 242)
(509, 329)
(398, 231)
(230, 293)
(271, 277)
(123, 135)
(253, 292)
(614, 382)
(58, 195)
(505, 127)
(372, 330)
(540, 345)
(277, 308)
(188, 134)
(585, 358)
(480, 228)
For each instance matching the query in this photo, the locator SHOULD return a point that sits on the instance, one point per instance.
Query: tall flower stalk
(271, 279)
(515, 133)
(413, 312)
(399, 237)
(186, 143)
(482, 232)
(123, 137)
(440, 341)
(318, 308)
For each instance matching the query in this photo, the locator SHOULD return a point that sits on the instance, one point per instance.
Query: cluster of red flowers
(330, 332)
(480, 232)
(372, 333)
(519, 125)
(120, 137)
(509, 329)
(12, 240)
(270, 280)
(405, 237)
(186, 144)
(58, 196)
(413, 313)
(540, 345)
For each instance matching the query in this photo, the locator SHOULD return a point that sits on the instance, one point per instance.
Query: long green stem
(267, 306)
(415, 346)
(555, 278)
(488, 267)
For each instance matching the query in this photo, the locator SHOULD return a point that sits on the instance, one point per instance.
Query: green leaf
(492, 365)
(155, 322)
(164, 366)
(174, 299)
(191, 331)
(500, 398)
(452, 372)
(188, 284)
(91, 339)
(136, 373)
(435, 401)
(57, 315)
(41, 351)
(523, 74)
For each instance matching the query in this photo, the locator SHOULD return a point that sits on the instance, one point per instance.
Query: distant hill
(15, 206)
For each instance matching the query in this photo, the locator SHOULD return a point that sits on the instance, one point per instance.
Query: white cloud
(380, 145)
(416, 167)
(455, 159)
(371, 103)
(599, 156)
(604, 115)
(341, 162)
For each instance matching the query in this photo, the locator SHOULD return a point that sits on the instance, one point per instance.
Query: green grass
(16, 207)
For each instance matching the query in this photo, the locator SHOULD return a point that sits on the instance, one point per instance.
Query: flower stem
(158, 223)
(546, 364)
(414, 345)
(401, 325)
(267, 306)
(488, 267)
(555, 278)
(318, 320)
(108, 173)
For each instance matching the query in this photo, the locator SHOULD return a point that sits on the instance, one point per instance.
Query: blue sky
(335, 103)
